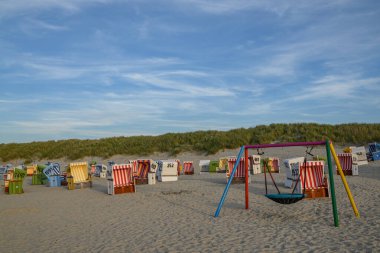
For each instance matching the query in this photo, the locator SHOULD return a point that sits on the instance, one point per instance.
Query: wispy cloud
(276, 6)
(45, 25)
(190, 89)
(338, 87)
(12, 8)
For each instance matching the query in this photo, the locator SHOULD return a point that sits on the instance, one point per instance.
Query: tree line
(205, 142)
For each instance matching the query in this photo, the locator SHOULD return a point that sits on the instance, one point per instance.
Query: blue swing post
(229, 182)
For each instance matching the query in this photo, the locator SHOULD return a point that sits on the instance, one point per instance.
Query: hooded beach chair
(188, 168)
(204, 166)
(255, 164)
(292, 167)
(361, 155)
(213, 165)
(53, 174)
(31, 169)
(374, 151)
(99, 170)
(78, 175)
(223, 165)
(274, 163)
(120, 179)
(167, 170)
(141, 169)
(7, 177)
(239, 176)
(313, 180)
(346, 161)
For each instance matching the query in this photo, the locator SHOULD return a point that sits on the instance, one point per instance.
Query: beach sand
(179, 216)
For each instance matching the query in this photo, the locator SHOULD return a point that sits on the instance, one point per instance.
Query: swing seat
(285, 198)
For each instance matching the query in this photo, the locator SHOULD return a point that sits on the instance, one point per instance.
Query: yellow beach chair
(78, 175)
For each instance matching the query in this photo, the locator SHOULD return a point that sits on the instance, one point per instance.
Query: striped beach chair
(314, 180)
(77, 175)
(53, 174)
(346, 162)
(223, 165)
(122, 180)
(188, 168)
(239, 176)
(141, 169)
(374, 151)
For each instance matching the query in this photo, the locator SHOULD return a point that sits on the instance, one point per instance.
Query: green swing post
(332, 187)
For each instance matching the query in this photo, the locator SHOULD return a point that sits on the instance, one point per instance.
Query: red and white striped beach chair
(348, 167)
(140, 170)
(122, 179)
(239, 176)
(188, 167)
(314, 181)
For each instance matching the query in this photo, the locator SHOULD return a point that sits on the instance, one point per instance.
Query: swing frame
(329, 151)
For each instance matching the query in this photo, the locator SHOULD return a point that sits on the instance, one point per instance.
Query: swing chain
(260, 153)
(308, 152)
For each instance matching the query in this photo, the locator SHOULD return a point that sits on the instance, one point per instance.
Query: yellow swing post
(340, 171)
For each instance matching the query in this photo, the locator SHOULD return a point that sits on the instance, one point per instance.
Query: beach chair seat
(78, 175)
(141, 168)
(315, 181)
(255, 164)
(274, 164)
(167, 171)
(346, 161)
(204, 166)
(361, 155)
(292, 167)
(374, 151)
(121, 179)
(31, 169)
(212, 166)
(188, 168)
(239, 176)
(53, 174)
(223, 165)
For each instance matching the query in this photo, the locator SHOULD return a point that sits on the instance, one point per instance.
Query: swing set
(291, 198)
(284, 198)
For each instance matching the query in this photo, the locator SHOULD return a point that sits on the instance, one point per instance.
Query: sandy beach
(179, 216)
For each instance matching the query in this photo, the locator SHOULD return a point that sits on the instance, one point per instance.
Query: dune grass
(206, 142)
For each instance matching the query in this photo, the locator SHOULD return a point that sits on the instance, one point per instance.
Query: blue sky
(93, 69)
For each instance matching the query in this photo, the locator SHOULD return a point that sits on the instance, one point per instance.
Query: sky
(102, 68)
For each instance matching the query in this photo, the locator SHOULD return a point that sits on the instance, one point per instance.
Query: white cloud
(194, 90)
(45, 25)
(338, 87)
(17, 7)
(55, 72)
(277, 7)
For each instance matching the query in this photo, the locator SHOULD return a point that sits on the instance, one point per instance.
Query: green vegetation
(40, 168)
(207, 142)
(19, 173)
